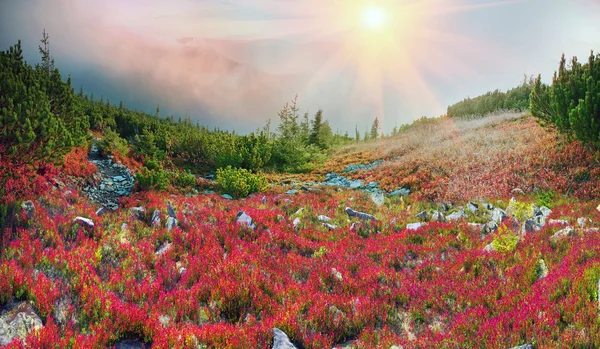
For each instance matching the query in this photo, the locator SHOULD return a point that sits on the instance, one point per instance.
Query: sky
(233, 64)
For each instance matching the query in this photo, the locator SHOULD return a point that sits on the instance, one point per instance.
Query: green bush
(184, 179)
(153, 179)
(505, 241)
(239, 182)
(112, 143)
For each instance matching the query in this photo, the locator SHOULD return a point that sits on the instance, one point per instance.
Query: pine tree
(315, 130)
(375, 129)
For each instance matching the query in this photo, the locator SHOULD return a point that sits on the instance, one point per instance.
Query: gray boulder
(490, 227)
(28, 207)
(530, 226)
(563, 233)
(18, 321)
(324, 219)
(423, 215)
(155, 220)
(164, 248)
(414, 226)
(378, 198)
(359, 215)
(84, 222)
(542, 269)
(498, 215)
(296, 224)
(473, 207)
(170, 210)
(281, 340)
(243, 218)
(488, 248)
(330, 226)
(131, 344)
(524, 346)
(437, 216)
(227, 197)
(582, 222)
(171, 223)
(137, 212)
(456, 215)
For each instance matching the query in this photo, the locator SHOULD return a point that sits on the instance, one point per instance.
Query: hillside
(456, 263)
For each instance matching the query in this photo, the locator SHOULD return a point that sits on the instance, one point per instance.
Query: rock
(281, 340)
(243, 218)
(477, 226)
(330, 226)
(171, 223)
(542, 269)
(498, 215)
(396, 347)
(582, 222)
(84, 222)
(296, 224)
(490, 227)
(164, 320)
(437, 216)
(17, 321)
(118, 178)
(263, 200)
(558, 222)
(360, 215)
(155, 220)
(291, 192)
(423, 215)
(399, 192)
(489, 207)
(456, 215)
(530, 226)
(356, 167)
(324, 219)
(488, 248)
(102, 210)
(524, 346)
(337, 274)
(378, 198)
(566, 232)
(131, 344)
(372, 185)
(473, 207)
(414, 226)
(356, 184)
(170, 210)
(28, 207)
(227, 197)
(61, 311)
(137, 212)
(545, 211)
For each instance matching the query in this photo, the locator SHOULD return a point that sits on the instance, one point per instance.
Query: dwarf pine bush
(239, 182)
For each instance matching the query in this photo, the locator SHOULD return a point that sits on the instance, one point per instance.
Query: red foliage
(76, 163)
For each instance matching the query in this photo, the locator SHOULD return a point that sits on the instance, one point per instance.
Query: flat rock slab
(131, 344)
(17, 321)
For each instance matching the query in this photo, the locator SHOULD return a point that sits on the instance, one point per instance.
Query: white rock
(414, 226)
(324, 219)
(86, 222)
(568, 231)
(281, 340)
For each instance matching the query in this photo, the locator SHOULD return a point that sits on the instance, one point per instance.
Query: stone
(137, 212)
(524, 346)
(378, 198)
(455, 216)
(582, 222)
(530, 226)
(356, 184)
(164, 320)
(336, 274)
(84, 222)
(227, 197)
(498, 215)
(17, 321)
(490, 227)
(473, 207)
(476, 226)
(359, 215)
(170, 210)
(542, 269)
(296, 224)
(155, 220)
(102, 210)
(281, 340)
(243, 218)
(423, 215)
(372, 185)
(28, 207)
(558, 222)
(118, 178)
(291, 192)
(414, 226)
(566, 232)
(324, 219)
(399, 192)
(171, 223)
(330, 226)
(488, 248)
(545, 211)
(437, 216)
(263, 200)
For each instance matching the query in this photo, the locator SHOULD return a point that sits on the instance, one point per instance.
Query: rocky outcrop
(281, 340)
(244, 219)
(498, 215)
(17, 321)
(112, 180)
(171, 223)
(28, 207)
(359, 215)
(356, 167)
(84, 222)
(155, 219)
(455, 216)
(563, 233)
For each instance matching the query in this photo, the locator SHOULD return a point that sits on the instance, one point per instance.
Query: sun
(374, 17)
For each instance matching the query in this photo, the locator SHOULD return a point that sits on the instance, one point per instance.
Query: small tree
(375, 129)
(356, 134)
(315, 130)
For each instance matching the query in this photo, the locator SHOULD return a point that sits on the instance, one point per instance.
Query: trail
(114, 180)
